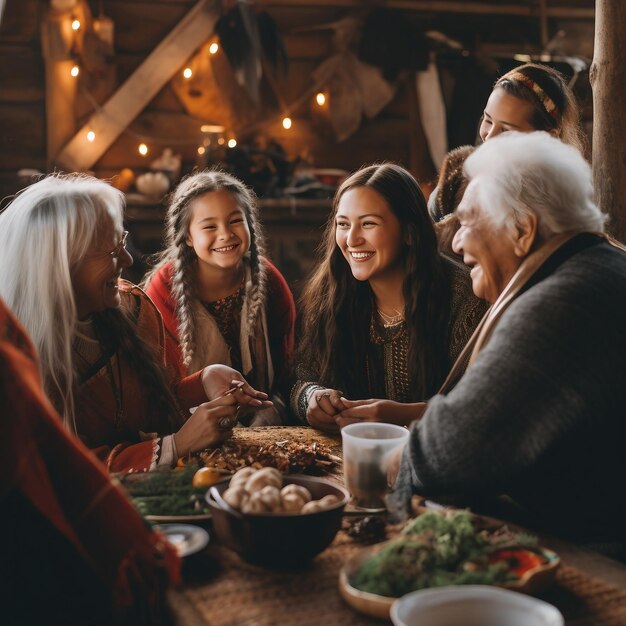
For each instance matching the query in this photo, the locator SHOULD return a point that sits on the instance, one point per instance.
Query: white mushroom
(291, 502)
(235, 496)
(242, 475)
(302, 492)
(262, 478)
(271, 498)
(319, 505)
(255, 504)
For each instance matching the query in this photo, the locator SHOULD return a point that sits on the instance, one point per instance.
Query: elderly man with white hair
(540, 412)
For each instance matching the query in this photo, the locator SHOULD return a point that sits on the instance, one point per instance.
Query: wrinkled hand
(374, 410)
(324, 405)
(210, 424)
(219, 380)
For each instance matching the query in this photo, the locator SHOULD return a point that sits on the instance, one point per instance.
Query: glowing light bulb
(187, 73)
(286, 123)
(75, 24)
(91, 136)
(232, 143)
(221, 141)
(75, 71)
(213, 48)
(320, 98)
(143, 149)
(201, 150)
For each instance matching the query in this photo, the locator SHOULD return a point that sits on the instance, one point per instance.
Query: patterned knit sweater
(541, 414)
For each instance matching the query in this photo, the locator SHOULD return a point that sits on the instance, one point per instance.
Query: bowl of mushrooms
(275, 520)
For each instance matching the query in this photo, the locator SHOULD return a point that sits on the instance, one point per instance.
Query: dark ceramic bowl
(283, 539)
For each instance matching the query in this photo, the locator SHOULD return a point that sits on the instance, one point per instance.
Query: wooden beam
(61, 86)
(442, 6)
(607, 79)
(132, 97)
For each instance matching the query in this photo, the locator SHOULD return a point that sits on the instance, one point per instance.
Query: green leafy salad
(439, 549)
(166, 492)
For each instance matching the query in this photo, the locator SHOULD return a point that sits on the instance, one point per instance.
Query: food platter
(533, 581)
(186, 538)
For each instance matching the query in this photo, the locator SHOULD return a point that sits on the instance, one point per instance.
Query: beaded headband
(544, 98)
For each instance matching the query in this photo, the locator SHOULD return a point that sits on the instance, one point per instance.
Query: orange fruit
(205, 477)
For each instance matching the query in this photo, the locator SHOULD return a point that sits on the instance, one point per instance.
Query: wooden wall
(22, 94)
(140, 25)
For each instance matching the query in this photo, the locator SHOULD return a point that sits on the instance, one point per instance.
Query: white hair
(520, 173)
(45, 233)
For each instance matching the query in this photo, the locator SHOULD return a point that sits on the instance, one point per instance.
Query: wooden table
(222, 590)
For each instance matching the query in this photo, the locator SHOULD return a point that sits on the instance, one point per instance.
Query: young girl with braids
(222, 301)
(384, 316)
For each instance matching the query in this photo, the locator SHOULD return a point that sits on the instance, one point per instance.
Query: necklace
(391, 320)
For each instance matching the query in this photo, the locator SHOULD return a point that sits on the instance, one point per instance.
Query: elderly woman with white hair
(539, 414)
(100, 339)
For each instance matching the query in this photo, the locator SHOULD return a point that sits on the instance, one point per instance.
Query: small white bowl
(472, 605)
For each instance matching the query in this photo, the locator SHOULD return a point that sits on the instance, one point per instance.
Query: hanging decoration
(354, 88)
(251, 40)
(211, 93)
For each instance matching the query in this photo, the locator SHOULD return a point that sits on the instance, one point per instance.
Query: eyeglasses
(115, 253)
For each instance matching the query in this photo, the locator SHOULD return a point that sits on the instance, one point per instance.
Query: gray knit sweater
(541, 414)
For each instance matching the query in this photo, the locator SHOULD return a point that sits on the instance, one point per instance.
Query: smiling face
(95, 279)
(489, 251)
(505, 112)
(369, 235)
(218, 232)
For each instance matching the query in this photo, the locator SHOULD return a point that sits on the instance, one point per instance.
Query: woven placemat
(587, 601)
(230, 592)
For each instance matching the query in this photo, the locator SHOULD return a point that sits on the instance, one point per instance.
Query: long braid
(257, 267)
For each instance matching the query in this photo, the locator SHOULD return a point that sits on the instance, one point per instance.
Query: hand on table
(374, 410)
(219, 380)
(210, 424)
(324, 405)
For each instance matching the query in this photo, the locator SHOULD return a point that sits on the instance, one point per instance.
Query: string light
(75, 24)
(320, 98)
(75, 71)
(232, 143)
(201, 150)
(91, 136)
(213, 48)
(187, 73)
(286, 123)
(143, 149)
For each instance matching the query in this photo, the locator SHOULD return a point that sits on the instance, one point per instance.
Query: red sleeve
(281, 318)
(159, 291)
(51, 469)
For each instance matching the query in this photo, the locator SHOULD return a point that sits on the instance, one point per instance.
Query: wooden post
(608, 80)
(110, 120)
(61, 87)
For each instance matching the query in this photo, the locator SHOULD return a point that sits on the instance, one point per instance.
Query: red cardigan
(119, 446)
(279, 307)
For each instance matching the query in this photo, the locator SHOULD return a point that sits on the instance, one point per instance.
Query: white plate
(186, 538)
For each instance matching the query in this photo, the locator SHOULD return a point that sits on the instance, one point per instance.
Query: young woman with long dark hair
(384, 315)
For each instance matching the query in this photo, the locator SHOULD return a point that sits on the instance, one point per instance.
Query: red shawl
(49, 469)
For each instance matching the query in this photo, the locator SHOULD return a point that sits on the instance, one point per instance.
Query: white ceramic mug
(472, 605)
